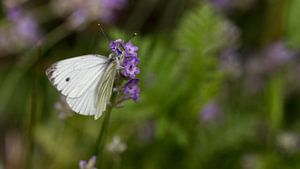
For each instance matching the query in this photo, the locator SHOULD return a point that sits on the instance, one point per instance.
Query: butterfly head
(124, 53)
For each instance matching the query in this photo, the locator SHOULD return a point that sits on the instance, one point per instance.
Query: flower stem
(33, 114)
(102, 134)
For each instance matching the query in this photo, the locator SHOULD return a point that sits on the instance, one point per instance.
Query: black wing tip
(49, 72)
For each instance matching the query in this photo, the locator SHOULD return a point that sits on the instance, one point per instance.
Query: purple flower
(128, 53)
(22, 31)
(14, 13)
(131, 61)
(104, 10)
(114, 4)
(62, 108)
(230, 62)
(132, 89)
(78, 18)
(270, 60)
(82, 164)
(146, 131)
(278, 53)
(116, 46)
(210, 112)
(130, 49)
(134, 60)
(131, 71)
(222, 4)
(109, 9)
(28, 29)
(88, 164)
(24, 25)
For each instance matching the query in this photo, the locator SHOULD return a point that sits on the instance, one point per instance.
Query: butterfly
(86, 81)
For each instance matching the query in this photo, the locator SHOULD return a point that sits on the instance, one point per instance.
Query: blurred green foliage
(293, 23)
(181, 73)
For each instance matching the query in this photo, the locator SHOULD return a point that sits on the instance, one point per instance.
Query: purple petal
(82, 164)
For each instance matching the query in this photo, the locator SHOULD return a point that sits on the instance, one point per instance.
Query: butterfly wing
(96, 98)
(72, 77)
(105, 88)
(85, 104)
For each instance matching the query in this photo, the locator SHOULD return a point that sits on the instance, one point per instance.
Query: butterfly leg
(119, 64)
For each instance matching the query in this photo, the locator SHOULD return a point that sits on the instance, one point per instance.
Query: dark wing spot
(67, 79)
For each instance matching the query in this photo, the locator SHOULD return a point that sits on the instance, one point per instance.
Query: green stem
(276, 99)
(102, 134)
(32, 116)
(100, 140)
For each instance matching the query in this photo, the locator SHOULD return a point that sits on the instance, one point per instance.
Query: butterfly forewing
(72, 77)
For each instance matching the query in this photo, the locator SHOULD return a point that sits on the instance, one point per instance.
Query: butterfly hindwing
(105, 88)
(94, 101)
(72, 77)
(85, 104)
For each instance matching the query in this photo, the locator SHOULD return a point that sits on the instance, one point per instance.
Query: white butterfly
(86, 81)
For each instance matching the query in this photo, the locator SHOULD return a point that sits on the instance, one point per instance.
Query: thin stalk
(32, 116)
(102, 134)
(117, 162)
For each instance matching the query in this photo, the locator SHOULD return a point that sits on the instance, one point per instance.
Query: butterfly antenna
(104, 34)
(132, 36)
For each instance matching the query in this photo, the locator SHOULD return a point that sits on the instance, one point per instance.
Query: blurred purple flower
(88, 164)
(210, 112)
(146, 131)
(222, 4)
(78, 18)
(265, 63)
(109, 9)
(104, 10)
(4, 41)
(278, 53)
(63, 109)
(25, 27)
(14, 13)
(132, 89)
(114, 4)
(231, 34)
(22, 31)
(254, 83)
(270, 59)
(230, 62)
